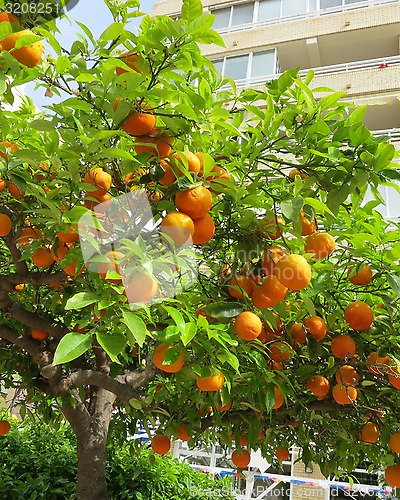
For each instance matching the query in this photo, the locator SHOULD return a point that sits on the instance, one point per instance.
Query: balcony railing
(305, 15)
(380, 63)
(392, 133)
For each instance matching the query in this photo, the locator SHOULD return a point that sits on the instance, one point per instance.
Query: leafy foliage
(40, 462)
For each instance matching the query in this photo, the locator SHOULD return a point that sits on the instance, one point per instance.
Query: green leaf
(81, 299)
(210, 36)
(394, 282)
(318, 205)
(177, 317)
(291, 208)
(42, 125)
(72, 346)
(224, 309)
(115, 153)
(191, 9)
(113, 31)
(229, 357)
(308, 304)
(113, 344)
(188, 334)
(136, 326)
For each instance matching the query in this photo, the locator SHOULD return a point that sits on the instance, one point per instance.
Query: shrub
(38, 462)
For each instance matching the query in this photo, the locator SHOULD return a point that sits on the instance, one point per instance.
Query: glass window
(269, 9)
(293, 7)
(218, 65)
(312, 5)
(352, 1)
(263, 63)
(236, 67)
(221, 18)
(242, 14)
(325, 4)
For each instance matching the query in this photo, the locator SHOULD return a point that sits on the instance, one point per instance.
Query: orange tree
(287, 333)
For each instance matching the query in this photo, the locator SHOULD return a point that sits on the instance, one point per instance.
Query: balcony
(309, 14)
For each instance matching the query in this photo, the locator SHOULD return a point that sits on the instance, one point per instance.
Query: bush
(38, 462)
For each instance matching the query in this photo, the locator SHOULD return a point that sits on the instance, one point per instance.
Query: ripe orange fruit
(169, 177)
(4, 427)
(218, 179)
(243, 440)
(115, 259)
(159, 357)
(226, 407)
(139, 123)
(182, 433)
(318, 385)
(241, 458)
(129, 58)
(298, 333)
(358, 315)
(3, 183)
(394, 378)
(194, 202)
(270, 257)
(282, 454)
(5, 224)
(190, 160)
(279, 351)
(377, 364)
(161, 444)
(394, 442)
(275, 330)
(362, 277)
(15, 191)
(211, 383)
(19, 287)
(248, 325)
(279, 399)
(42, 257)
(307, 226)
(9, 18)
(11, 146)
(344, 395)
(295, 171)
(316, 326)
(39, 335)
(29, 55)
(343, 346)
(273, 288)
(100, 179)
(68, 236)
(71, 269)
(320, 244)
(102, 313)
(141, 287)
(204, 229)
(347, 375)
(243, 282)
(157, 143)
(369, 433)
(293, 271)
(392, 476)
(271, 228)
(261, 301)
(29, 233)
(179, 227)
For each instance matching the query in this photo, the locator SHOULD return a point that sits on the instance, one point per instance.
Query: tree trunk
(91, 483)
(90, 424)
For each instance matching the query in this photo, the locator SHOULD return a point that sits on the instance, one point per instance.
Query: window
(252, 65)
(262, 10)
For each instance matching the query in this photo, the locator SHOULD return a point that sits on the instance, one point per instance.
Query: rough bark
(90, 426)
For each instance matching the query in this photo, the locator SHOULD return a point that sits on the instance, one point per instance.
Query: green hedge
(37, 462)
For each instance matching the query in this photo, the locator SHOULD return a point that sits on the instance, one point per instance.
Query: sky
(95, 15)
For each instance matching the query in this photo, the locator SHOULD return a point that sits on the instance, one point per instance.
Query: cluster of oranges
(30, 54)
